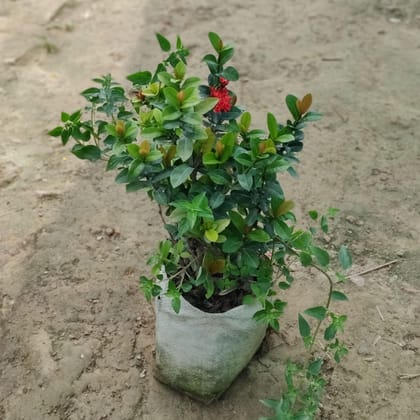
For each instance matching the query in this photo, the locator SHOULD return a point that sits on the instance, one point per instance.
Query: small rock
(143, 373)
(109, 231)
(9, 172)
(364, 349)
(327, 239)
(357, 280)
(351, 219)
(401, 253)
(48, 195)
(99, 238)
(394, 20)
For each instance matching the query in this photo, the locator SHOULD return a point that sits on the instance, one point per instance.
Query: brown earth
(76, 335)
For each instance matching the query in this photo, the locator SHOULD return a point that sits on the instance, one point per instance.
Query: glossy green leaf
(230, 73)
(56, 132)
(180, 174)
(164, 43)
(272, 125)
(259, 235)
(336, 295)
(231, 245)
(312, 116)
(305, 259)
(291, 102)
(344, 257)
(245, 121)
(140, 78)
(304, 328)
(285, 138)
(317, 312)
(206, 105)
(216, 42)
(324, 224)
(330, 332)
(225, 55)
(184, 148)
(315, 366)
(321, 256)
(90, 152)
(313, 214)
(245, 181)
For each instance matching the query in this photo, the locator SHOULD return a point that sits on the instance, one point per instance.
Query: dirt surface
(76, 336)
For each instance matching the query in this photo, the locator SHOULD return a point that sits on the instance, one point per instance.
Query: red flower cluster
(225, 101)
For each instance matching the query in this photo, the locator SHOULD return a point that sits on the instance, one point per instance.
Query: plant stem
(331, 284)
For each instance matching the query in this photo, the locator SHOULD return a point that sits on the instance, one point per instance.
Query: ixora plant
(231, 232)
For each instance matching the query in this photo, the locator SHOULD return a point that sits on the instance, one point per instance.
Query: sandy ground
(76, 336)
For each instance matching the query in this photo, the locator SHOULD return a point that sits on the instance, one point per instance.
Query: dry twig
(380, 313)
(409, 375)
(378, 267)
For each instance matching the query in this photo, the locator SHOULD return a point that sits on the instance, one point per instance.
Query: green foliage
(216, 179)
(304, 390)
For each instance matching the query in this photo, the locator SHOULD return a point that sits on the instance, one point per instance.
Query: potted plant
(231, 231)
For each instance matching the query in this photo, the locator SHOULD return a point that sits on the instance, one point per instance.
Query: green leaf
(285, 138)
(179, 70)
(317, 312)
(171, 96)
(180, 174)
(324, 224)
(65, 117)
(304, 328)
(56, 132)
(133, 150)
(225, 55)
(90, 152)
(336, 295)
(259, 235)
(230, 73)
(332, 212)
(216, 200)
(219, 177)
(245, 181)
(344, 257)
(291, 102)
(135, 169)
(209, 159)
(305, 259)
(312, 116)
(282, 230)
(314, 367)
(301, 239)
(244, 159)
(313, 214)
(140, 78)
(237, 221)
(250, 258)
(231, 245)
(245, 121)
(164, 43)
(206, 105)
(248, 300)
(216, 42)
(330, 332)
(321, 256)
(176, 304)
(184, 148)
(272, 125)
(211, 235)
